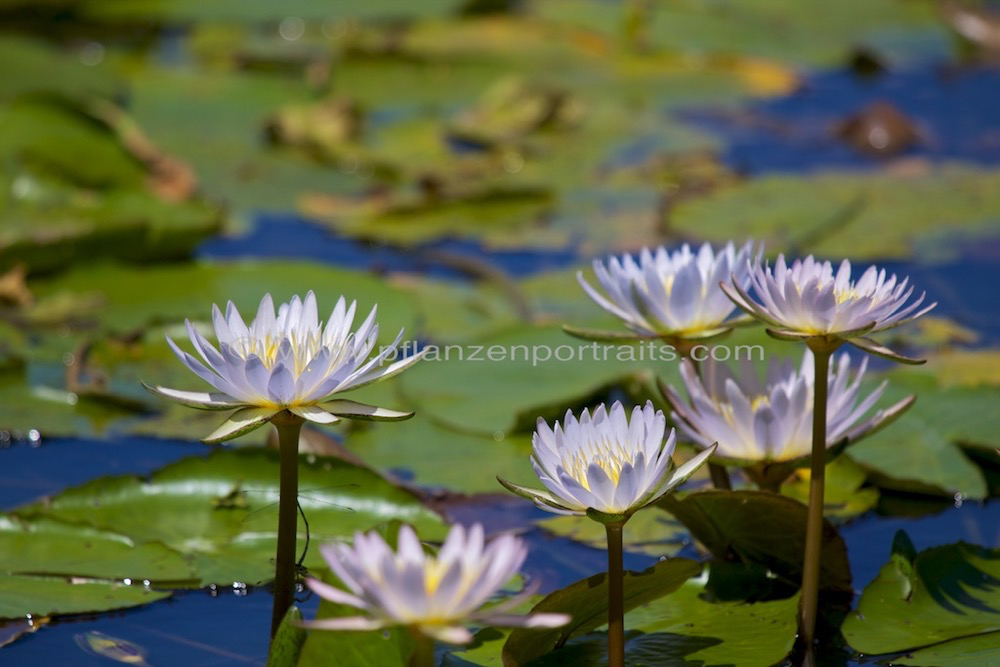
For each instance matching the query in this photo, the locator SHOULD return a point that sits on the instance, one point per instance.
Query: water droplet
(92, 54)
(34, 438)
(512, 162)
(499, 435)
(69, 359)
(292, 28)
(127, 581)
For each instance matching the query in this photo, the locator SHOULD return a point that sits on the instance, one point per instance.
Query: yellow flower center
(610, 460)
(304, 349)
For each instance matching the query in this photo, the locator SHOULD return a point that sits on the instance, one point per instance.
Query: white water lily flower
(771, 422)
(671, 294)
(435, 595)
(286, 362)
(607, 463)
(808, 300)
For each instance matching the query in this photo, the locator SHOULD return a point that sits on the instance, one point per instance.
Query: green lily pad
(931, 433)
(898, 214)
(288, 641)
(979, 651)
(686, 628)
(49, 596)
(226, 146)
(587, 602)
(919, 600)
(136, 297)
(845, 496)
(652, 533)
(517, 384)
(389, 647)
(441, 457)
(34, 67)
(783, 30)
(47, 547)
(259, 11)
(221, 509)
(762, 528)
(50, 410)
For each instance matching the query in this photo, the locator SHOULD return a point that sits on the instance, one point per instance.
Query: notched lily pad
(183, 506)
(942, 594)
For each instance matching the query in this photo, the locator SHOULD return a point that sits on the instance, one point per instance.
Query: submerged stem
(809, 601)
(616, 596)
(289, 427)
(423, 650)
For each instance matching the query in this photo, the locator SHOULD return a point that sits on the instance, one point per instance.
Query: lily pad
(34, 67)
(651, 532)
(519, 375)
(931, 433)
(782, 30)
(762, 528)
(136, 297)
(919, 600)
(389, 647)
(898, 214)
(436, 456)
(220, 510)
(47, 547)
(979, 651)
(49, 596)
(845, 496)
(587, 602)
(686, 628)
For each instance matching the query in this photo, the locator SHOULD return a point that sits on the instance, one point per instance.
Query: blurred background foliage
(456, 162)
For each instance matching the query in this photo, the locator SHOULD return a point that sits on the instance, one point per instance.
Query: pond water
(953, 118)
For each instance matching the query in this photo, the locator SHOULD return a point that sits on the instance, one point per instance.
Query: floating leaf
(762, 528)
(918, 600)
(389, 647)
(844, 497)
(46, 547)
(184, 506)
(930, 434)
(519, 375)
(652, 533)
(288, 641)
(687, 627)
(898, 214)
(49, 596)
(418, 446)
(979, 651)
(587, 602)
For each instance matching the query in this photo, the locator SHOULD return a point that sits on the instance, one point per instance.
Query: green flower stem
(616, 596)
(423, 650)
(289, 427)
(720, 478)
(809, 601)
